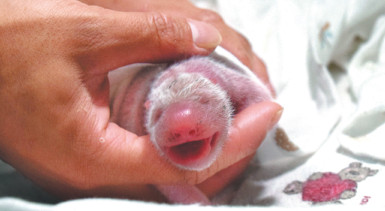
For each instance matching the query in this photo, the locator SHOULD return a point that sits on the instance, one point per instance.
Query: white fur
(188, 87)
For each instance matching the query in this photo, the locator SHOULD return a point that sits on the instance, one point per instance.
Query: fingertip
(204, 35)
(249, 129)
(278, 109)
(265, 113)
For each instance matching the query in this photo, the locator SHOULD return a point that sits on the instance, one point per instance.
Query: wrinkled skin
(233, 41)
(55, 128)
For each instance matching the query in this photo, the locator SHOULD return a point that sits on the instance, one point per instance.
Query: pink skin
(188, 130)
(129, 113)
(189, 108)
(186, 134)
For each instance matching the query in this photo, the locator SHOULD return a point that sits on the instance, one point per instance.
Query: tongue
(189, 136)
(189, 152)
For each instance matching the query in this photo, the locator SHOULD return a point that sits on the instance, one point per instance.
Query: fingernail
(204, 35)
(277, 116)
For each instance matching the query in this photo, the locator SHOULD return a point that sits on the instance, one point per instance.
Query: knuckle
(242, 49)
(244, 42)
(88, 32)
(191, 178)
(244, 57)
(168, 31)
(197, 177)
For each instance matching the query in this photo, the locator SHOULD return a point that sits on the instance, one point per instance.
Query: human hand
(233, 41)
(241, 48)
(55, 129)
(54, 105)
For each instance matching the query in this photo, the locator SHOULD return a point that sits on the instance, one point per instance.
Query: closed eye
(156, 116)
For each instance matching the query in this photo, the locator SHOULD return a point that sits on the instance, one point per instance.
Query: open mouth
(192, 151)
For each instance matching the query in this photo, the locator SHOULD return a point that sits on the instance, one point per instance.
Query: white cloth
(326, 60)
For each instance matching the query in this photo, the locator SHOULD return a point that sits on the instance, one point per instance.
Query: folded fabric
(325, 59)
(364, 132)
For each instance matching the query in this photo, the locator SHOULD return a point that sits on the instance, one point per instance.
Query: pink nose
(183, 121)
(187, 136)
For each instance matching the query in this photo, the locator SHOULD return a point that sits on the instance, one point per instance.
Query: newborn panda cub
(186, 108)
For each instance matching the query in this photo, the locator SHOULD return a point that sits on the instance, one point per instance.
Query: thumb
(248, 130)
(113, 39)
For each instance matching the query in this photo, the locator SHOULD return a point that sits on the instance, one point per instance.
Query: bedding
(326, 60)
